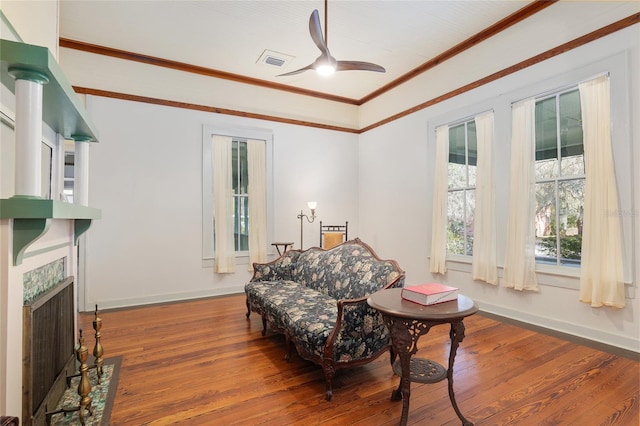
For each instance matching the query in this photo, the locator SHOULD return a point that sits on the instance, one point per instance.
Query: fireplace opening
(48, 350)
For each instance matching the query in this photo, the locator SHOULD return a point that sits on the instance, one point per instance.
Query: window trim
(240, 133)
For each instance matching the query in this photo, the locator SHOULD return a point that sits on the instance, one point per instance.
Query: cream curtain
(439, 221)
(484, 265)
(257, 202)
(520, 262)
(601, 271)
(224, 261)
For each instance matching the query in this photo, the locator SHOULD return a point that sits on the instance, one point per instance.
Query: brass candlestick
(84, 387)
(98, 351)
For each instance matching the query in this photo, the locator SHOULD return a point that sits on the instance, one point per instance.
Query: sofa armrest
(278, 269)
(359, 332)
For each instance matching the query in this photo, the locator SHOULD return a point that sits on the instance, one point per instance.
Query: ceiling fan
(325, 64)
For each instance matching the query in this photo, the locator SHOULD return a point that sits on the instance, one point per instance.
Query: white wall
(396, 168)
(146, 177)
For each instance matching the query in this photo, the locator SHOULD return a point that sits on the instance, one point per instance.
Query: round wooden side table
(284, 245)
(407, 321)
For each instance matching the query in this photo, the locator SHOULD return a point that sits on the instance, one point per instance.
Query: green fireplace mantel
(32, 217)
(61, 109)
(63, 112)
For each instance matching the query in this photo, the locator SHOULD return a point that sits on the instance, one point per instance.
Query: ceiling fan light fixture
(325, 65)
(325, 70)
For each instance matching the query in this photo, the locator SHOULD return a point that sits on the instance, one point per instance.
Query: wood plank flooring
(203, 363)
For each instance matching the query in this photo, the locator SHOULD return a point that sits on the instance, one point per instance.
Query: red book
(429, 294)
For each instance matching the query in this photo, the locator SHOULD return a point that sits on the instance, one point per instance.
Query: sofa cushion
(306, 314)
(267, 296)
(311, 316)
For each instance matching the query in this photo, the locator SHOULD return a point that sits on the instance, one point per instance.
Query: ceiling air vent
(274, 59)
(276, 62)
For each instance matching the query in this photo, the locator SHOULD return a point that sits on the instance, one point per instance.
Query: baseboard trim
(165, 298)
(594, 344)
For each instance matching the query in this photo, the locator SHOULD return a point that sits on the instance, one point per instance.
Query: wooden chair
(332, 235)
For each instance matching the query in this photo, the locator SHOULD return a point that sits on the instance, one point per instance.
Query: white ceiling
(231, 36)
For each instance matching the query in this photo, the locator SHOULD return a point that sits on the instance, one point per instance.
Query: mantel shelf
(40, 208)
(31, 219)
(62, 110)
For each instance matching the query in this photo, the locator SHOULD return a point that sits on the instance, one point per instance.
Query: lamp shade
(312, 205)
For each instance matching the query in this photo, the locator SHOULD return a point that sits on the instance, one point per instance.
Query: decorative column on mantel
(28, 131)
(81, 170)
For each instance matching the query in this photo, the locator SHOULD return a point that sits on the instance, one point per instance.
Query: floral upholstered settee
(318, 299)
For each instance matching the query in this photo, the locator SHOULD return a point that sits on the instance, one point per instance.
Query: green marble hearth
(102, 395)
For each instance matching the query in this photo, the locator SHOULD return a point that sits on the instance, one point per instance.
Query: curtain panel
(439, 221)
(257, 202)
(225, 259)
(601, 271)
(520, 262)
(484, 265)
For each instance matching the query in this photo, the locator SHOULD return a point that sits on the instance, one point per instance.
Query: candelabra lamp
(312, 206)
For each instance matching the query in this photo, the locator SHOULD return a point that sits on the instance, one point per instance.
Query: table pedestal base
(404, 338)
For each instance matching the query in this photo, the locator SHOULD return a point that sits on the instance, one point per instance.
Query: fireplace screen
(48, 340)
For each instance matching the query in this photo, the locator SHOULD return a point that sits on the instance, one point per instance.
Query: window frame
(237, 133)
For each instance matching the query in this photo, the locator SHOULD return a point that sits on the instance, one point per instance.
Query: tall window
(560, 178)
(241, 237)
(461, 175)
(240, 178)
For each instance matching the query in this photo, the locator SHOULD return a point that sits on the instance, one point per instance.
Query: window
(239, 185)
(240, 178)
(560, 179)
(461, 175)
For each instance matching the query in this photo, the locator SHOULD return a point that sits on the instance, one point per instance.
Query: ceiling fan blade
(316, 32)
(358, 66)
(301, 70)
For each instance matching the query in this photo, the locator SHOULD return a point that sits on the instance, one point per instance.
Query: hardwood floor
(203, 363)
